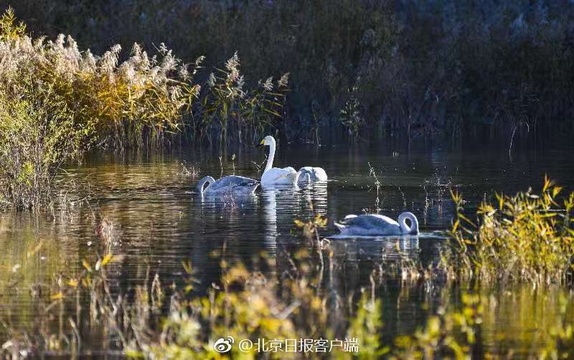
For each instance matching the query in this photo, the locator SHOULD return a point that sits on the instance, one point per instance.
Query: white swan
(276, 176)
(232, 184)
(311, 174)
(378, 225)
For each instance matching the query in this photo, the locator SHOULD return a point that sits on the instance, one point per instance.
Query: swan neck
(272, 146)
(405, 229)
(209, 180)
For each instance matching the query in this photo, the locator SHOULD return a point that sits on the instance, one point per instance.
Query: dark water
(157, 221)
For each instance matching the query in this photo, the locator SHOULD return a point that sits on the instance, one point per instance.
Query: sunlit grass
(526, 237)
(58, 101)
(293, 301)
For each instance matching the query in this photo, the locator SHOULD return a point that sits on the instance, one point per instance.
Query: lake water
(158, 221)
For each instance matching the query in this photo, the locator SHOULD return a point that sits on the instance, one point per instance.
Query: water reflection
(389, 249)
(156, 221)
(281, 205)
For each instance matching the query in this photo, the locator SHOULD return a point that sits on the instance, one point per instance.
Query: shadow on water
(156, 221)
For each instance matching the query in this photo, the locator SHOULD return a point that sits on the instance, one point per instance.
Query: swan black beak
(260, 144)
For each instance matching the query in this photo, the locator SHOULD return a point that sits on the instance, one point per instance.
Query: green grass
(526, 237)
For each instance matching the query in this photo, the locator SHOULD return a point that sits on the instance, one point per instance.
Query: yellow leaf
(299, 223)
(57, 296)
(107, 259)
(86, 265)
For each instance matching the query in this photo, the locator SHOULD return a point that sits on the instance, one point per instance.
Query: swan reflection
(282, 205)
(389, 248)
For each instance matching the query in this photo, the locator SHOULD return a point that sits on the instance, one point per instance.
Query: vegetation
(57, 102)
(420, 69)
(412, 68)
(298, 301)
(526, 237)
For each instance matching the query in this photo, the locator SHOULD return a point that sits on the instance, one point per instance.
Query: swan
(378, 225)
(232, 184)
(311, 174)
(272, 175)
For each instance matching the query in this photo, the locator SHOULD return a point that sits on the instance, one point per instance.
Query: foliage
(159, 321)
(36, 137)
(225, 106)
(526, 237)
(447, 334)
(414, 68)
(57, 101)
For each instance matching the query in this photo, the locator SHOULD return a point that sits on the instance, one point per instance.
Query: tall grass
(361, 67)
(527, 237)
(57, 102)
(230, 111)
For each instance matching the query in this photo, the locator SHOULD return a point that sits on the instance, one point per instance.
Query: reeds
(57, 102)
(229, 111)
(527, 237)
(417, 69)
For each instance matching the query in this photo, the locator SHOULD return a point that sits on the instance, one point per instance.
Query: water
(157, 221)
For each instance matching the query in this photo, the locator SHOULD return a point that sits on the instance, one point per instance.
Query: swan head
(413, 229)
(268, 140)
(200, 188)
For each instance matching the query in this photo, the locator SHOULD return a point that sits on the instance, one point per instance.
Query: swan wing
(233, 183)
(369, 221)
(279, 176)
(315, 173)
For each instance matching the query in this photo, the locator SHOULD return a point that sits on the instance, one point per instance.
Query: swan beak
(261, 143)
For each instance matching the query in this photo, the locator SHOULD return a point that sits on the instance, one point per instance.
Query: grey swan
(378, 225)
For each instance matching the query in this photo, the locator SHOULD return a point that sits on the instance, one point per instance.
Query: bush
(56, 102)
(413, 68)
(526, 237)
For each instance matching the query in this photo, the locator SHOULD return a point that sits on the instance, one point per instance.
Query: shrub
(56, 102)
(414, 68)
(526, 237)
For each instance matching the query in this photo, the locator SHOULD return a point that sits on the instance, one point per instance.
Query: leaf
(86, 265)
(107, 259)
(57, 296)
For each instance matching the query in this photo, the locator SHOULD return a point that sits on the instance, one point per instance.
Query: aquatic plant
(260, 308)
(450, 333)
(227, 106)
(56, 102)
(411, 69)
(526, 237)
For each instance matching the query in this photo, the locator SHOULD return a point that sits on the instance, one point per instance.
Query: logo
(223, 345)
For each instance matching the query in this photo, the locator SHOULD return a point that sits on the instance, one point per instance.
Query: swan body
(310, 174)
(378, 225)
(232, 184)
(272, 175)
